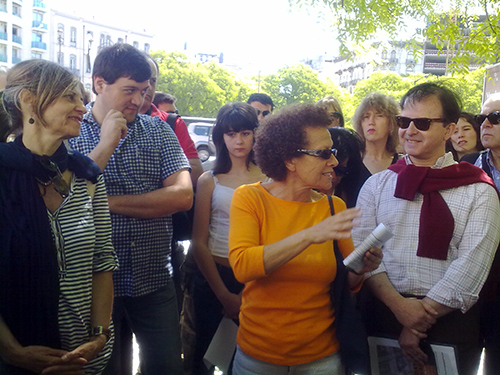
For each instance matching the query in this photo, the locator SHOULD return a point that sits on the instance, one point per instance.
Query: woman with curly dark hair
(280, 247)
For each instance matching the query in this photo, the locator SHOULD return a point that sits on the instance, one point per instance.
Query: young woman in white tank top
(216, 291)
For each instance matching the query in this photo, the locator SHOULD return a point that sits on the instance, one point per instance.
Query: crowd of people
(88, 256)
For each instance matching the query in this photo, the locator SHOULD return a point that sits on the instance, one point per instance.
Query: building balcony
(39, 25)
(3, 36)
(435, 65)
(3, 8)
(3, 58)
(39, 45)
(15, 60)
(17, 39)
(433, 52)
(39, 5)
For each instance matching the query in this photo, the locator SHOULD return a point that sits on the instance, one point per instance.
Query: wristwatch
(100, 330)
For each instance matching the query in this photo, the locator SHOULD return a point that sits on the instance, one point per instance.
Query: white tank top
(218, 231)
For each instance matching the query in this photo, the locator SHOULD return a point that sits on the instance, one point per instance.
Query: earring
(31, 120)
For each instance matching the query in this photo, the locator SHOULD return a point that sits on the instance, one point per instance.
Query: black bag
(350, 329)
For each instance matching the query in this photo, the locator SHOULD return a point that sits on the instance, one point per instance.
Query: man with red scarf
(446, 223)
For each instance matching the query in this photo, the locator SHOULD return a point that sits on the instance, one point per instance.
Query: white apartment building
(23, 31)
(30, 30)
(75, 42)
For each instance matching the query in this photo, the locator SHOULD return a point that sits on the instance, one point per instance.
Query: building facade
(76, 41)
(24, 31)
(30, 30)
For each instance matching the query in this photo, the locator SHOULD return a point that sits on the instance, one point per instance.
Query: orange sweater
(286, 317)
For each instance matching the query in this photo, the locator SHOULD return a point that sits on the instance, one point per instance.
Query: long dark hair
(233, 117)
(349, 145)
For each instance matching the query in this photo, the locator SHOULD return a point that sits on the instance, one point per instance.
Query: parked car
(201, 134)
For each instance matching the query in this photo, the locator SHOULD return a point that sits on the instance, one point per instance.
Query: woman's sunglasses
(422, 124)
(493, 118)
(323, 154)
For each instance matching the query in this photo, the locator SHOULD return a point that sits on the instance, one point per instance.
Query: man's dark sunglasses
(422, 124)
(323, 154)
(176, 111)
(341, 171)
(264, 113)
(493, 118)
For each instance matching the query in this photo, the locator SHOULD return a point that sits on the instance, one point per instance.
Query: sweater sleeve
(246, 253)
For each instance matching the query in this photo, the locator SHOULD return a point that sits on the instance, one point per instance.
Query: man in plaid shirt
(147, 179)
(446, 223)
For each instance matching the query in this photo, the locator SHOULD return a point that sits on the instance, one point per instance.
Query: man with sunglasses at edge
(147, 180)
(446, 223)
(262, 103)
(489, 161)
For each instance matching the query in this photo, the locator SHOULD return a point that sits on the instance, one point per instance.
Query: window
(16, 10)
(60, 58)
(3, 53)
(16, 55)
(37, 16)
(146, 47)
(3, 6)
(3, 30)
(108, 41)
(36, 55)
(72, 37)
(36, 37)
(72, 62)
(136, 44)
(120, 40)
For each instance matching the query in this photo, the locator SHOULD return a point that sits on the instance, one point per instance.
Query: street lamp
(90, 40)
(60, 40)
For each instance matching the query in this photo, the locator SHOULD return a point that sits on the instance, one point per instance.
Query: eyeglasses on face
(264, 113)
(493, 118)
(176, 111)
(323, 154)
(422, 124)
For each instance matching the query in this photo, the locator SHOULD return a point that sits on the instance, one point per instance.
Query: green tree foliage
(201, 89)
(457, 29)
(298, 84)
(468, 87)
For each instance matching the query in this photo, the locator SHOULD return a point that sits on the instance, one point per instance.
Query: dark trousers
(455, 328)
(155, 322)
(208, 314)
(490, 332)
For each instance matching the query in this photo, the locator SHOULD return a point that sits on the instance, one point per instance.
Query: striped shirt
(81, 229)
(454, 282)
(142, 161)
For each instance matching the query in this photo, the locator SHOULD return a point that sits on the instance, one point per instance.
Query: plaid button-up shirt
(142, 161)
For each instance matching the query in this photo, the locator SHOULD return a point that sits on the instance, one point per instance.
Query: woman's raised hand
(335, 227)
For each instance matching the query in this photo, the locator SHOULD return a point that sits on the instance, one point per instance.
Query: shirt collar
(443, 161)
